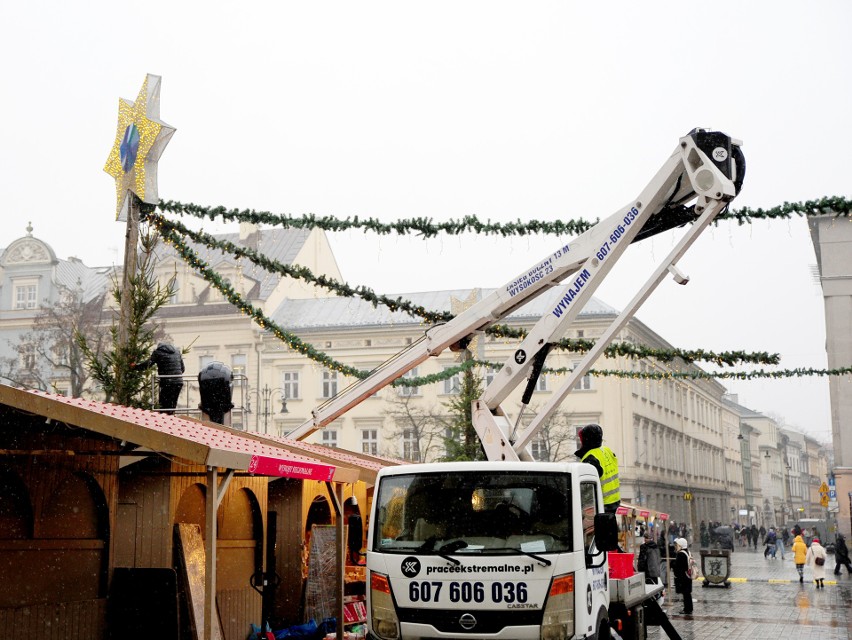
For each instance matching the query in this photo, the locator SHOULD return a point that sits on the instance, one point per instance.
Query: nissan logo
(467, 621)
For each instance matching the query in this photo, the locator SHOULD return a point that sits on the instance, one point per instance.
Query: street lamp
(265, 397)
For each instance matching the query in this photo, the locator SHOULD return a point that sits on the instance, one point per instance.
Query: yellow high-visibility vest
(610, 484)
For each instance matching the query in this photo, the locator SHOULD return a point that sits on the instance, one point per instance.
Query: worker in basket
(603, 459)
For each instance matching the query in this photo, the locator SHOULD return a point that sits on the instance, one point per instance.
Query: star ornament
(140, 139)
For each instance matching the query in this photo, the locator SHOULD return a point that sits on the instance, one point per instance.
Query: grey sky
(503, 110)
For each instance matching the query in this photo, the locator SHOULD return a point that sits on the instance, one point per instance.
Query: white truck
(510, 548)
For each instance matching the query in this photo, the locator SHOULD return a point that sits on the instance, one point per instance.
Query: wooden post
(336, 494)
(215, 493)
(210, 553)
(131, 244)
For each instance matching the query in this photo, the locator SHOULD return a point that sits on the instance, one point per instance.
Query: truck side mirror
(606, 532)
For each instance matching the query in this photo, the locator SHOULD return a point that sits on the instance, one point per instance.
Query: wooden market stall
(101, 500)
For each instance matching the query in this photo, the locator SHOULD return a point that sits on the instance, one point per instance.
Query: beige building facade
(684, 447)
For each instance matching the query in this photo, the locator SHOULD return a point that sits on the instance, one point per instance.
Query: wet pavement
(765, 601)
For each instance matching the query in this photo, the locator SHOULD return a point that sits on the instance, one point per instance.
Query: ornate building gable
(27, 251)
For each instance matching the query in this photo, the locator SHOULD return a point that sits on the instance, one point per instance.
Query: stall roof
(625, 509)
(201, 442)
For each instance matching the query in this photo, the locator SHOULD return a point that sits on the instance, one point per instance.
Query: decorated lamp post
(140, 139)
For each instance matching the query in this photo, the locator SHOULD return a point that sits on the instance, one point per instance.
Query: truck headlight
(383, 620)
(558, 620)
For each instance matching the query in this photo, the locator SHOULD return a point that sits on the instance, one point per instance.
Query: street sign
(824, 501)
(832, 494)
(831, 481)
(823, 488)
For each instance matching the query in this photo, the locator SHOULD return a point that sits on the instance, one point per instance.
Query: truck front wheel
(602, 632)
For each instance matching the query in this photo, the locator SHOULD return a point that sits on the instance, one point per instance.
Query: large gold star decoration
(140, 139)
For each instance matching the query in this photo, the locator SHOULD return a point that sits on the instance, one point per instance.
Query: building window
(452, 385)
(290, 384)
(329, 438)
(370, 441)
(408, 391)
(28, 357)
(203, 361)
(541, 383)
(238, 364)
(538, 448)
(26, 295)
(329, 384)
(410, 445)
(584, 383)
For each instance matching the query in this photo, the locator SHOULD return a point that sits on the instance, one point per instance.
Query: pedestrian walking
(815, 558)
(780, 543)
(683, 582)
(841, 555)
(755, 535)
(770, 540)
(800, 554)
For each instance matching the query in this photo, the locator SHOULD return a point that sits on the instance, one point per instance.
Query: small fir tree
(111, 368)
(462, 442)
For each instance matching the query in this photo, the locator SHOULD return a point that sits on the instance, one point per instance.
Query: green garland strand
(837, 205)
(734, 375)
(420, 226)
(426, 227)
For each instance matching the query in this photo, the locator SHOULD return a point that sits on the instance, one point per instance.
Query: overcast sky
(547, 110)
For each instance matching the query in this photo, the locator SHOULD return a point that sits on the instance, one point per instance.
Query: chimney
(247, 229)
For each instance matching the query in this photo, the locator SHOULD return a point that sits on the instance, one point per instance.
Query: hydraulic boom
(704, 173)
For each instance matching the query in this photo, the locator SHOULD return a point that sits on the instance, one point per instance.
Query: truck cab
(486, 550)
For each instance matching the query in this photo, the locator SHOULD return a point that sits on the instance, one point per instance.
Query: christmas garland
(172, 232)
(834, 205)
(398, 304)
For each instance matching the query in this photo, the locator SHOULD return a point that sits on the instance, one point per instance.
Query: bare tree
(417, 428)
(48, 357)
(556, 441)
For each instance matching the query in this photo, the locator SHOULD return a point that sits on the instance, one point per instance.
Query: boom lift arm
(703, 174)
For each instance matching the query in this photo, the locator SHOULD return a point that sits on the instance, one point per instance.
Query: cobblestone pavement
(765, 601)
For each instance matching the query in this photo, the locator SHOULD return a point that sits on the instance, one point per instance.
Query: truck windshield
(505, 512)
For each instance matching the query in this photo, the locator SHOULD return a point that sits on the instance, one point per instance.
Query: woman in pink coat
(815, 558)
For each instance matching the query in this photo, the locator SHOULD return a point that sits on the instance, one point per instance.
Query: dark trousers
(169, 394)
(683, 586)
(842, 563)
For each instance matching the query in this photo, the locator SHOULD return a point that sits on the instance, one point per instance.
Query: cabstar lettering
(579, 283)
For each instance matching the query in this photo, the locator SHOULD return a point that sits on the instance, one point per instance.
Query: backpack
(692, 570)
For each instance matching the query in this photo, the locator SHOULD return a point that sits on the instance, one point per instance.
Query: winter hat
(681, 542)
(815, 540)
